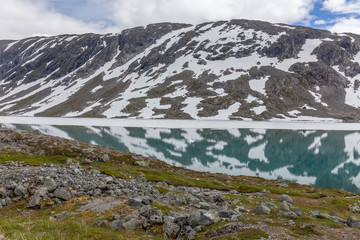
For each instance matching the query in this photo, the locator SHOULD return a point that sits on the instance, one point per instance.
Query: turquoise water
(328, 159)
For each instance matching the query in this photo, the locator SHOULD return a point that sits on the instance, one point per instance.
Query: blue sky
(24, 18)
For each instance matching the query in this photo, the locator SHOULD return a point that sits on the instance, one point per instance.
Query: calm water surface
(328, 159)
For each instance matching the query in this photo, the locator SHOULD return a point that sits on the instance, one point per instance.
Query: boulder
(355, 208)
(203, 218)
(286, 198)
(170, 228)
(117, 224)
(132, 224)
(21, 191)
(262, 209)
(353, 222)
(284, 206)
(62, 194)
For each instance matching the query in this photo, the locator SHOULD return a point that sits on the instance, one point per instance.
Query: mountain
(236, 69)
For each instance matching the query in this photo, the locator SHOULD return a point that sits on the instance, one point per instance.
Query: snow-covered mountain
(235, 69)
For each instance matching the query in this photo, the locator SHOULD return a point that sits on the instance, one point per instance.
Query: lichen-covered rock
(262, 209)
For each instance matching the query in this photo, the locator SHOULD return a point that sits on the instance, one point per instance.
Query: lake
(322, 158)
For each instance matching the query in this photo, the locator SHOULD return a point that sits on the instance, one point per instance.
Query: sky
(26, 18)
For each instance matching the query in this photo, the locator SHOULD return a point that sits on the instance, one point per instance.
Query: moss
(307, 230)
(244, 234)
(164, 209)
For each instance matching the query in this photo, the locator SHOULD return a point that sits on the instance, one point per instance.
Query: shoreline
(285, 124)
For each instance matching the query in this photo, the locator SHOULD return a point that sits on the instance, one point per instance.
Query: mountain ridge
(238, 69)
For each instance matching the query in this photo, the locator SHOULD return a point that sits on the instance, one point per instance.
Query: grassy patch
(164, 209)
(33, 159)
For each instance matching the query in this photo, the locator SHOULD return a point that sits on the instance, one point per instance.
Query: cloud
(320, 22)
(342, 25)
(342, 6)
(129, 13)
(25, 18)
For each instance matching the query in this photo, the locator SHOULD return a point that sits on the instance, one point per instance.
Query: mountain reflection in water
(328, 159)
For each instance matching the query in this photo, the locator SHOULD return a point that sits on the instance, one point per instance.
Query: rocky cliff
(236, 69)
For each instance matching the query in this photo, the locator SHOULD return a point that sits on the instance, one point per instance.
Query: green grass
(33, 159)
(164, 209)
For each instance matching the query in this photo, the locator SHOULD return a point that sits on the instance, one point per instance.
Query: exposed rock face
(235, 69)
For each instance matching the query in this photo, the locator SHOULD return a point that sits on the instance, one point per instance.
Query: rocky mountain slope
(235, 69)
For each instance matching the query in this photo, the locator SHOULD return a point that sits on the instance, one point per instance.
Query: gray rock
(291, 215)
(226, 214)
(286, 198)
(270, 205)
(117, 225)
(298, 211)
(103, 223)
(203, 218)
(314, 213)
(34, 201)
(170, 228)
(132, 224)
(353, 222)
(62, 194)
(142, 163)
(262, 209)
(3, 193)
(239, 209)
(156, 219)
(135, 202)
(21, 191)
(355, 208)
(50, 184)
(284, 206)
(104, 158)
(59, 217)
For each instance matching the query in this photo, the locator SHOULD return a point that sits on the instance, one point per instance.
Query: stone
(117, 225)
(353, 222)
(240, 209)
(59, 217)
(170, 229)
(86, 161)
(132, 224)
(291, 215)
(262, 209)
(355, 208)
(284, 206)
(103, 223)
(34, 201)
(135, 202)
(141, 163)
(226, 214)
(141, 179)
(62, 194)
(104, 158)
(200, 217)
(314, 213)
(156, 219)
(21, 191)
(286, 198)
(3, 193)
(50, 184)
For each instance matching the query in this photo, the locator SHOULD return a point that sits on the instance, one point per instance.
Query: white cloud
(25, 18)
(342, 25)
(320, 22)
(128, 13)
(342, 6)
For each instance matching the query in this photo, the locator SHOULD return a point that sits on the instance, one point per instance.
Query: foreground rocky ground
(53, 188)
